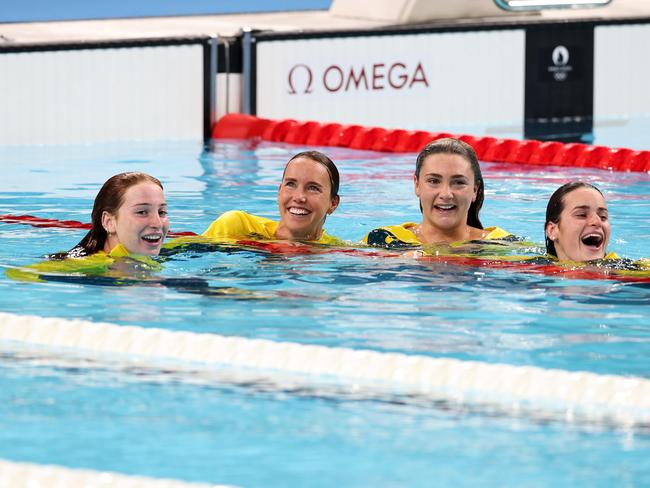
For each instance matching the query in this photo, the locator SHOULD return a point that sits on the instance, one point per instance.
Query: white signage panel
(621, 71)
(434, 81)
(103, 94)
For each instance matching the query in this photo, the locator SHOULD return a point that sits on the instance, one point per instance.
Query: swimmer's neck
(429, 234)
(110, 243)
(283, 233)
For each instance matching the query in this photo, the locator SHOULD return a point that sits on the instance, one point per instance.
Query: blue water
(40, 10)
(247, 435)
(167, 426)
(353, 301)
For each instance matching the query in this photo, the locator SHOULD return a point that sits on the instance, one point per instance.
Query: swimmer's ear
(415, 186)
(335, 203)
(108, 222)
(475, 193)
(552, 231)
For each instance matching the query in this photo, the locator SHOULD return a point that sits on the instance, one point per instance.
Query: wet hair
(449, 145)
(109, 199)
(555, 207)
(319, 157)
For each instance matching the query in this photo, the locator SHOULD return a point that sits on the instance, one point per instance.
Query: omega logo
(378, 76)
(306, 70)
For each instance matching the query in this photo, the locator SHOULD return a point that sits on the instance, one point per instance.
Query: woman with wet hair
(129, 225)
(449, 185)
(129, 211)
(307, 194)
(577, 224)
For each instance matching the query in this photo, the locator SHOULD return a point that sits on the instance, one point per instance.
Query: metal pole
(247, 70)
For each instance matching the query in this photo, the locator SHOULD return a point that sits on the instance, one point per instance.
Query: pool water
(104, 417)
(158, 425)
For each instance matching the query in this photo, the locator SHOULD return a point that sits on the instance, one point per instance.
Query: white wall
(229, 93)
(471, 78)
(79, 96)
(621, 71)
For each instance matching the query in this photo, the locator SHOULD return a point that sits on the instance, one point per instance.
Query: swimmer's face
(446, 189)
(141, 223)
(583, 229)
(304, 200)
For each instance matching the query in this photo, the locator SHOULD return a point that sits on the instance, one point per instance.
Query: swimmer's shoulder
(74, 253)
(393, 236)
(63, 264)
(330, 240)
(235, 224)
(613, 261)
(496, 233)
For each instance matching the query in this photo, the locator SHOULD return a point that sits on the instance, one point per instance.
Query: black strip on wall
(559, 87)
(230, 55)
(210, 61)
(113, 44)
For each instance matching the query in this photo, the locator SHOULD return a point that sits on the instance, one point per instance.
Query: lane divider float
(489, 149)
(570, 396)
(30, 475)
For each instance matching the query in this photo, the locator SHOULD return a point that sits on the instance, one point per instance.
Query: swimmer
(129, 224)
(129, 211)
(449, 185)
(577, 224)
(577, 232)
(307, 194)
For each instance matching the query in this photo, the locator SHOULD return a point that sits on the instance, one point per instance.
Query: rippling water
(439, 309)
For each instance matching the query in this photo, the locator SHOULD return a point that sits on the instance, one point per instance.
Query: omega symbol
(306, 81)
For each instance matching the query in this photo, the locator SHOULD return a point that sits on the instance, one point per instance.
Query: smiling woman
(129, 211)
(307, 194)
(129, 225)
(577, 224)
(449, 185)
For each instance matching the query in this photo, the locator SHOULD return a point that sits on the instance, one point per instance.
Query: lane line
(573, 396)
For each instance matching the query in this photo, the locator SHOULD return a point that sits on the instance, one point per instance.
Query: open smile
(298, 211)
(153, 239)
(593, 240)
(445, 207)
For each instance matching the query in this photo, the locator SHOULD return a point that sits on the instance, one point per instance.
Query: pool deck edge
(15, 34)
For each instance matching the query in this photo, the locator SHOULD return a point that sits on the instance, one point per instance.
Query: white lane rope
(28, 475)
(572, 396)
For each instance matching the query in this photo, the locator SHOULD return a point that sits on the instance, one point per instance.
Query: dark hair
(464, 150)
(319, 157)
(109, 199)
(555, 207)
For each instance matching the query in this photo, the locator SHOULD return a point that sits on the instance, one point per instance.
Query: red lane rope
(297, 248)
(40, 222)
(63, 224)
(551, 269)
(525, 266)
(489, 149)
